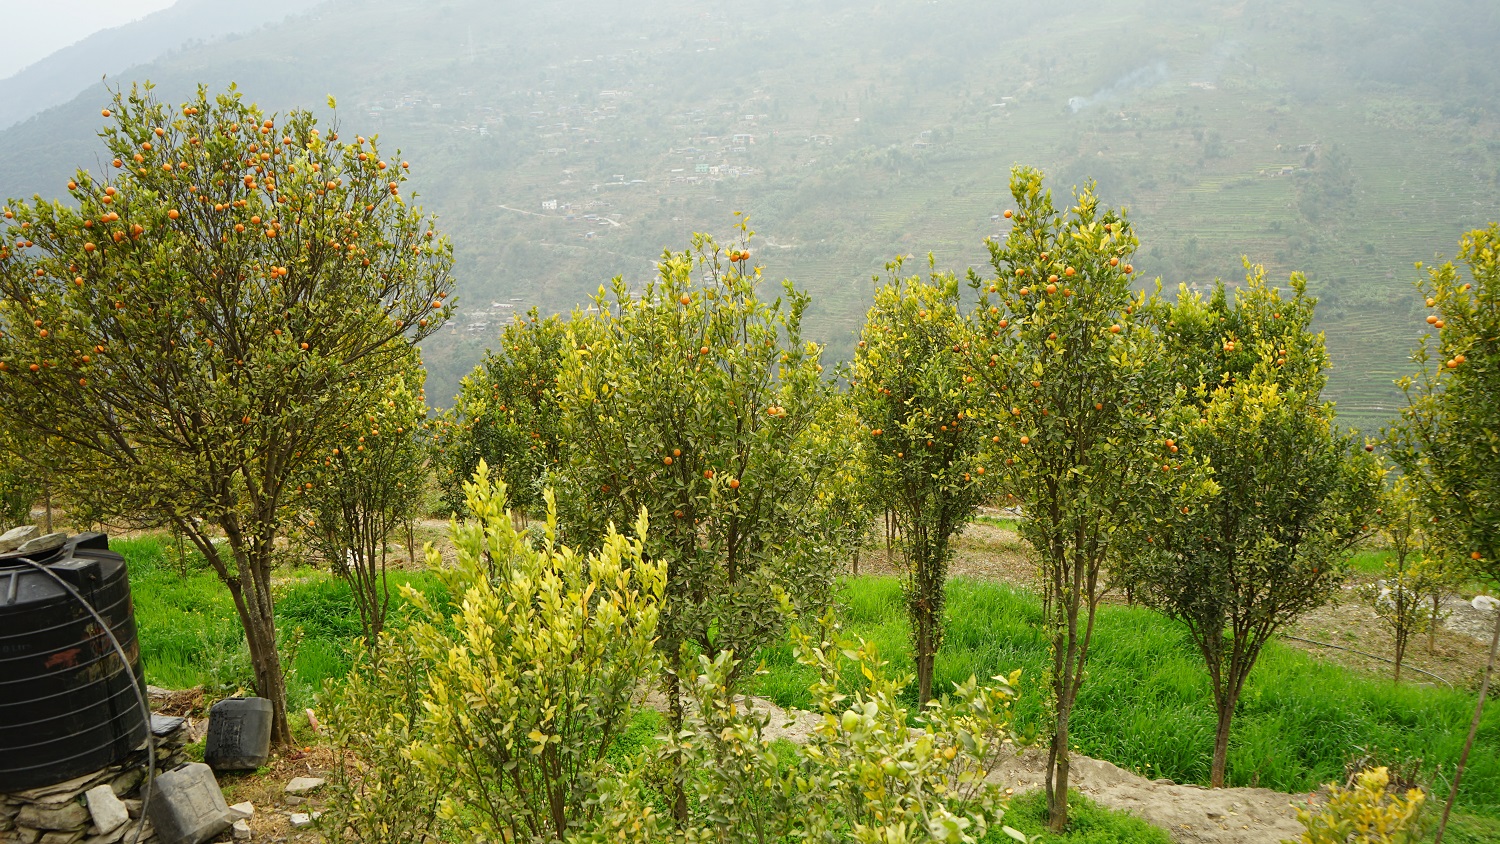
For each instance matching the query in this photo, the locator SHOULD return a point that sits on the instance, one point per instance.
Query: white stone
(12, 539)
(241, 830)
(304, 785)
(43, 543)
(105, 808)
(302, 820)
(240, 811)
(1486, 603)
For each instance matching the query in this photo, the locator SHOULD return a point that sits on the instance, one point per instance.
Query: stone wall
(103, 807)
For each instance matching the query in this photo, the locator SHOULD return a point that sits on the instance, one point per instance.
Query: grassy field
(1147, 705)
(190, 635)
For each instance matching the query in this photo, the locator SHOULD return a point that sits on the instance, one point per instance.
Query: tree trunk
(925, 659)
(1463, 757)
(1057, 773)
(1221, 743)
(1400, 643)
(270, 682)
(676, 716)
(1437, 607)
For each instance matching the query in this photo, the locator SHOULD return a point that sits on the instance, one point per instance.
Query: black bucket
(66, 703)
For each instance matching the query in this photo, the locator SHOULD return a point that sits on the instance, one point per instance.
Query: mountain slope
(567, 142)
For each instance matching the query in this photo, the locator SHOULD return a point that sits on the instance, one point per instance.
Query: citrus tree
(20, 480)
(368, 484)
(922, 445)
(506, 414)
(1447, 440)
(1293, 492)
(194, 324)
(1408, 594)
(1079, 405)
(698, 401)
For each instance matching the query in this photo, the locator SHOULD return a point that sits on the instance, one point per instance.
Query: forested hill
(566, 142)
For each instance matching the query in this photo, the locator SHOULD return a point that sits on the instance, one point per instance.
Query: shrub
(1365, 813)
(528, 681)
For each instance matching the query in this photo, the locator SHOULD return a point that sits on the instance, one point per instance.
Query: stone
(105, 808)
(165, 725)
(304, 785)
(12, 539)
(303, 820)
(61, 837)
(134, 807)
(28, 836)
(243, 810)
(111, 837)
(241, 830)
(46, 542)
(68, 816)
(293, 800)
(60, 792)
(1485, 602)
(127, 782)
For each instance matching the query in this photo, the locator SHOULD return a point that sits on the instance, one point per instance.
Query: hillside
(59, 77)
(564, 143)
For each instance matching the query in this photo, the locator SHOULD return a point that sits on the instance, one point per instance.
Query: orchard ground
(992, 567)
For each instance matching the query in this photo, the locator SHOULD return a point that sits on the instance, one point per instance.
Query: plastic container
(187, 806)
(239, 734)
(66, 702)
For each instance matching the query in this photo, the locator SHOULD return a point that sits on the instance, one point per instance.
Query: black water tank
(66, 703)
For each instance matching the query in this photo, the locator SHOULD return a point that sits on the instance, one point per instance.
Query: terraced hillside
(564, 143)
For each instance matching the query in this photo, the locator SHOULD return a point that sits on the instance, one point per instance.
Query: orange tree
(1447, 441)
(1079, 403)
(194, 323)
(699, 402)
(923, 448)
(1293, 491)
(368, 484)
(506, 414)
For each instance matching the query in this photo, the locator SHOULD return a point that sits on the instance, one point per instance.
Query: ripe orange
(734, 483)
(1431, 319)
(104, 113)
(1114, 262)
(1114, 329)
(1008, 212)
(1025, 440)
(1069, 272)
(667, 460)
(1476, 555)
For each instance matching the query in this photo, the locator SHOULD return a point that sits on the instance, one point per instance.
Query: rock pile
(103, 807)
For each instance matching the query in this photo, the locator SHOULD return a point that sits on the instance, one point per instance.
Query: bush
(864, 774)
(527, 683)
(1365, 813)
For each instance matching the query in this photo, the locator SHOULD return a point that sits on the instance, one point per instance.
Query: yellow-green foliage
(1365, 814)
(379, 794)
(864, 775)
(529, 679)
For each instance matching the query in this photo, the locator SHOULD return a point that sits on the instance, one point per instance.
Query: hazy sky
(34, 29)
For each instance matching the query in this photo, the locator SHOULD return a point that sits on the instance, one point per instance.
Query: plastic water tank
(66, 702)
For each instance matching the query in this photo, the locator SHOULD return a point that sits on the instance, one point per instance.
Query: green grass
(1088, 823)
(190, 634)
(1146, 704)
